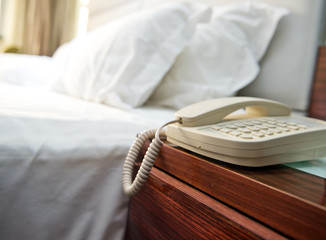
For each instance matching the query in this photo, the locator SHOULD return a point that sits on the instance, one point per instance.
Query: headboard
(287, 68)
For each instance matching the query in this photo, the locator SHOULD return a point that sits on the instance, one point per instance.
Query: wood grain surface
(170, 209)
(286, 200)
(317, 107)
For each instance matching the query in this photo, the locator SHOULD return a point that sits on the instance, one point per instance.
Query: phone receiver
(215, 110)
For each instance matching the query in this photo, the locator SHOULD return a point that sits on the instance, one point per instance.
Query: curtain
(39, 26)
(12, 19)
(48, 24)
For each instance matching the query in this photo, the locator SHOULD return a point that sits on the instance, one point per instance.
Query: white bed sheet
(60, 164)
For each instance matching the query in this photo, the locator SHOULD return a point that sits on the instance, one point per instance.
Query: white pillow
(121, 63)
(26, 70)
(222, 57)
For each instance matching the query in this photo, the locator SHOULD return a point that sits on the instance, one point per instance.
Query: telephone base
(286, 157)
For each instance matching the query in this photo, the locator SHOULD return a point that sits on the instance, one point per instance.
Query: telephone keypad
(250, 129)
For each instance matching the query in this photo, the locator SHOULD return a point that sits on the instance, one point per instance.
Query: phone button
(254, 128)
(267, 132)
(276, 130)
(240, 125)
(246, 136)
(293, 127)
(225, 130)
(235, 133)
(263, 127)
(216, 128)
(245, 130)
(258, 134)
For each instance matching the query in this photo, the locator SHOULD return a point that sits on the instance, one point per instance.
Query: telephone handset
(216, 110)
(265, 134)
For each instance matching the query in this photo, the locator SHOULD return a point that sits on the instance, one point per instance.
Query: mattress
(61, 160)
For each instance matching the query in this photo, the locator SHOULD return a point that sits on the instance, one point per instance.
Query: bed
(68, 121)
(61, 164)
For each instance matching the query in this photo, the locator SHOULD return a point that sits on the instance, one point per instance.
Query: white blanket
(60, 164)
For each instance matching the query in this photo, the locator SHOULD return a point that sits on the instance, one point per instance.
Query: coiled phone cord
(129, 187)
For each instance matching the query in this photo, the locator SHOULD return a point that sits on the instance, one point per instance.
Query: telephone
(264, 134)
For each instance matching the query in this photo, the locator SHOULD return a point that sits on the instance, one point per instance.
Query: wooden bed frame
(317, 107)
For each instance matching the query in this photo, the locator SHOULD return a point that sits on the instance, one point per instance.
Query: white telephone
(264, 135)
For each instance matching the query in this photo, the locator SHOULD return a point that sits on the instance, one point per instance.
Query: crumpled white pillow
(121, 63)
(222, 57)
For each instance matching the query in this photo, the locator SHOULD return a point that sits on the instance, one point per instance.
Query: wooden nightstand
(192, 197)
